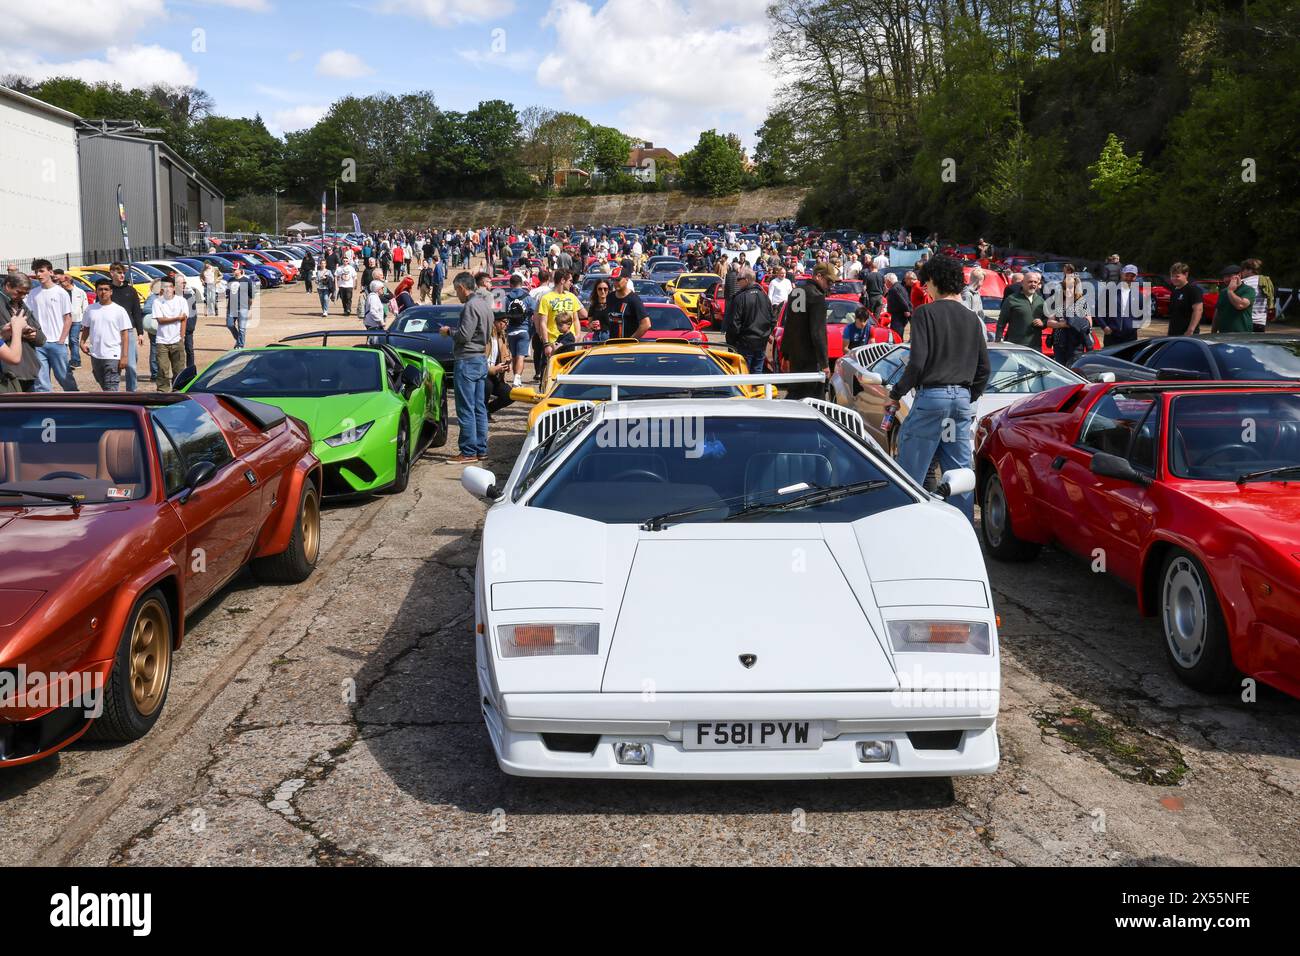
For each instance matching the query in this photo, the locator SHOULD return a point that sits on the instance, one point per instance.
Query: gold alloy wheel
(150, 657)
(311, 526)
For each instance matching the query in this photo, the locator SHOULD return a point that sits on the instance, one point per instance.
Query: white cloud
(78, 24)
(699, 56)
(135, 67)
(447, 12)
(295, 118)
(340, 63)
(516, 62)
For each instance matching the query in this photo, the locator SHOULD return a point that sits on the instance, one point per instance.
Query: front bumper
(521, 749)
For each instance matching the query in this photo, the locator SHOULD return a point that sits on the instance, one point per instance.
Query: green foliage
(604, 150)
(1115, 176)
(715, 166)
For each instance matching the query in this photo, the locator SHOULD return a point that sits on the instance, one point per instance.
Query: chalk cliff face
(624, 210)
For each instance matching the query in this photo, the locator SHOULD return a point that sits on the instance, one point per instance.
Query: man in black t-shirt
(628, 317)
(1186, 302)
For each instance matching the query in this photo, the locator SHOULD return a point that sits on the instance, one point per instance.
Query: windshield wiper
(659, 522)
(59, 496)
(1002, 386)
(810, 499)
(1267, 473)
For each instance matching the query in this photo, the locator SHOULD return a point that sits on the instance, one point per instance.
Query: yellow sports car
(635, 357)
(690, 288)
(139, 281)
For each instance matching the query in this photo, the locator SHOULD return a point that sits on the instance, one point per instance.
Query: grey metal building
(165, 197)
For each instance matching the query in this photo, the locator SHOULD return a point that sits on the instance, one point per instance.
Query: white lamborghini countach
(706, 588)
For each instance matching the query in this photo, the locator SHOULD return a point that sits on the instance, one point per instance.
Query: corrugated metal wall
(40, 192)
(105, 162)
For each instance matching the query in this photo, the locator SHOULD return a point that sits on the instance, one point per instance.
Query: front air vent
(571, 743)
(935, 739)
(548, 423)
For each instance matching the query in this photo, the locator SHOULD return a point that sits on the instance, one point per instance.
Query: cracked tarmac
(337, 723)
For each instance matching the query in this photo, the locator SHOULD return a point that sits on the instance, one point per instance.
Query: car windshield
(1013, 371)
(1258, 361)
(840, 311)
(643, 363)
(692, 283)
(48, 453)
(1233, 435)
(669, 320)
(426, 319)
(292, 373)
(627, 471)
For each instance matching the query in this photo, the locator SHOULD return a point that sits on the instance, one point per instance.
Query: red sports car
(667, 321)
(1186, 491)
(839, 316)
(119, 515)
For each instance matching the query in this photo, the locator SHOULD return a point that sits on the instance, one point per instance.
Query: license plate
(753, 735)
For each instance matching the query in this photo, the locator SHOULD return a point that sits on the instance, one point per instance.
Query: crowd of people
(49, 323)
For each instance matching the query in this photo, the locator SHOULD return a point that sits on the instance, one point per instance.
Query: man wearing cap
(803, 344)
(1236, 302)
(1122, 308)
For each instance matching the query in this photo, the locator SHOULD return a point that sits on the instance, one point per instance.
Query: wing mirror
(870, 378)
(200, 473)
(480, 483)
(188, 374)
(525, 393)
(958, 481)
(1113, 466)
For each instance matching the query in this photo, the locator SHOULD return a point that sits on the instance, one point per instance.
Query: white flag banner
(905, 257)
(751, 255)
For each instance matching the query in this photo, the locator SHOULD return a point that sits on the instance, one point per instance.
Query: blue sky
(658, 69)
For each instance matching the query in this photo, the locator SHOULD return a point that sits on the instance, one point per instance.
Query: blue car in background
(268, 276)
(421, 326)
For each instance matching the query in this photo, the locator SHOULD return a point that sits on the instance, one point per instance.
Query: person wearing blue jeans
(948, 367)
(53, 357)
(470, 338)
(240, 291)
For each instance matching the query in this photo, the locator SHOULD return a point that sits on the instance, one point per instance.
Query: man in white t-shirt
(105, 337)
(80, 302)
(52, 308)
(171, 312)
(778, 288)
(882, 260)
(345, 279)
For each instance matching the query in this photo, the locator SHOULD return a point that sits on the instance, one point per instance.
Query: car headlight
(548, 640)
(947, 637)
(353, 433)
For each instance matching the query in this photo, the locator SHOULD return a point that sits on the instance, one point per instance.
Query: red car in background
(1187, 491)
(667, 321)
(839, 315)
(129, 511)
(286, 269)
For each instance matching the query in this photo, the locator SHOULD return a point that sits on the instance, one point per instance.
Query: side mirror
(188, 374)
(870, 378)
(480, 483)
(525, 393)
(1113, 466)
(200, 473)
(1106, 377)
(958, 481)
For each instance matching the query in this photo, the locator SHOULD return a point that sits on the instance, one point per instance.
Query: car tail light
(951, 637)
(548, 640)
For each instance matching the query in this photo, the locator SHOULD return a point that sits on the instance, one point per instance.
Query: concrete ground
(336, 722)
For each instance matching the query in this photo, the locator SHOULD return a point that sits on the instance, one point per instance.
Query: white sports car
(710, 588)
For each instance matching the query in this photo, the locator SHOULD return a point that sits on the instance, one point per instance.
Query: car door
(223, 515)
(1106, 519)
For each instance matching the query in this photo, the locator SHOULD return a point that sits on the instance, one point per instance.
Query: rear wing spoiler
(769, 383)
(325, 334)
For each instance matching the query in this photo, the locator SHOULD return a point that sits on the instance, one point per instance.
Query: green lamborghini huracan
(372, 408)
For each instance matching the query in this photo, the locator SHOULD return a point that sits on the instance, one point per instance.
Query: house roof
(640, 154)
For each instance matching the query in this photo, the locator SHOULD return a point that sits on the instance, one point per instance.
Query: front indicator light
(875, 751)
(632, 752)
(949, 637)
(349, 435)
(548, 640)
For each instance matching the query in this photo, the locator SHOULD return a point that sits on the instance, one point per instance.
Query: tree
(605, 149)
(715, 166)
(239, 155)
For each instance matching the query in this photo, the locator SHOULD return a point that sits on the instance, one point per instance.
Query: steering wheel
(1222, 451)
(63, 474)
(643, 472)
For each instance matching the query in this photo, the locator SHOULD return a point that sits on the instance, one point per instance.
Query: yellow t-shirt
(558, 303)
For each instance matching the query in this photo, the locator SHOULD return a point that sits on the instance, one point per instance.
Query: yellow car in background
(140, 281)
(689, 289)
(635, 357)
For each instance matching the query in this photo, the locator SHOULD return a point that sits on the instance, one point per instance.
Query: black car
(423, 324)
(1239, 357)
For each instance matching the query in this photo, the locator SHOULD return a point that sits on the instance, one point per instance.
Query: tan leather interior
(119, 459)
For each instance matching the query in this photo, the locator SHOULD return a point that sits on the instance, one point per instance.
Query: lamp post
(277, 212)
(336, 204)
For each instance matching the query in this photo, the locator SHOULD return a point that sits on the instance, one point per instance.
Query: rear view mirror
(870, 378)
(1113, 466)
(200, 473)
(525, 393)
(480, 482)
(958, 481)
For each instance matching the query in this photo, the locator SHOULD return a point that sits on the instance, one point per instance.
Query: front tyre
(1196, 635)
(402, 459)
(141, 675)
(995, 525)
(296, 562)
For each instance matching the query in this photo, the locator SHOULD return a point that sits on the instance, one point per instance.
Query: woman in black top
(598, 311)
